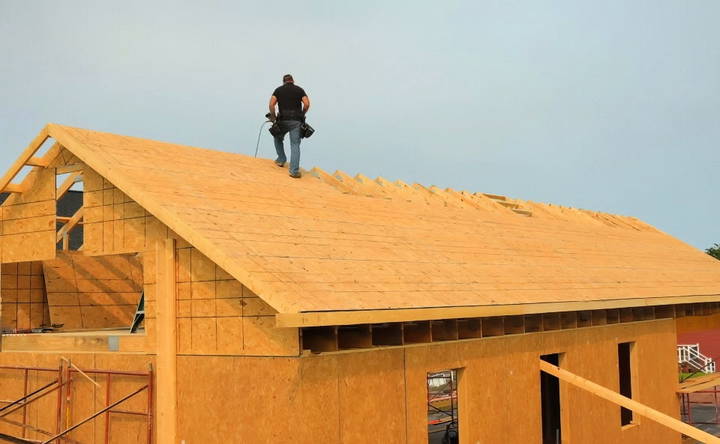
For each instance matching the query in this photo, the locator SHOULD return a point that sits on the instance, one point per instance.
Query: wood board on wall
(23, 298)
(381, 395)
(93, 291)
(28, 220)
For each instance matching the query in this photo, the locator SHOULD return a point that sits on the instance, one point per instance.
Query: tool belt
(291, 115)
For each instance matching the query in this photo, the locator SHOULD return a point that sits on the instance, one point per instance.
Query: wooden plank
(166, 338)
(24, 157)
(14, 188)
(66, 169)
(37, 162)
(712, 381)
(74, 220)
(698, 380)
(80, 342)
(92, 291)
(71, 180)
(640, 409)
(317, 319)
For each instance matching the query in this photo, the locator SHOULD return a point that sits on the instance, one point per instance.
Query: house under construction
(197, 296)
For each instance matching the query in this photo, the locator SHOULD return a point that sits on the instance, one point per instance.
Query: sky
(612, 106)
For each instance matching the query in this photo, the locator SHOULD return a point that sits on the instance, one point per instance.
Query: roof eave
(355, 317)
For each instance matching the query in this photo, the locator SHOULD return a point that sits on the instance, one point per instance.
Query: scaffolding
(442, 405)
(61, 383)
(702, 390)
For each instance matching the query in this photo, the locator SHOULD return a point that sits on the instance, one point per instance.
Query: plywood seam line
(635, 406)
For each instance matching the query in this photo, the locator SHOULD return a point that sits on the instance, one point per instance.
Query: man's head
(287, 78)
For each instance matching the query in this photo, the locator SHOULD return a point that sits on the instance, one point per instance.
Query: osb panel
(28, 220)
(114, 223)
(349, 244)
(218, 315)
(93, 291)
(380, 395)
(22, 297)
(689, 324)
(86, 398)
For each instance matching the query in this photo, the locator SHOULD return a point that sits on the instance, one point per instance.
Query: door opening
(442, 402)
(550, 403)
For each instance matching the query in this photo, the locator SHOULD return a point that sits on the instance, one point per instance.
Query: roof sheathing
(332, 249)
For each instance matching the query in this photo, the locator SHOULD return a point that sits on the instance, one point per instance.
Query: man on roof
(292, 104)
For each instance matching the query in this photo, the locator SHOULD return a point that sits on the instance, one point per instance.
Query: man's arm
(273, 102)
(306, 104)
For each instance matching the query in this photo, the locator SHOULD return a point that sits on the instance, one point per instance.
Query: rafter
(64, 232)
(67, 184)
(26, 156)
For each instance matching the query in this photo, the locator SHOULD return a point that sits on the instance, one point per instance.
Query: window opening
(625, 379)
(442, 412)
(69, 204)
(550, 402)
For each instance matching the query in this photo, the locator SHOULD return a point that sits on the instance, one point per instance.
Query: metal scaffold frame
(449, 418)
(63, 385)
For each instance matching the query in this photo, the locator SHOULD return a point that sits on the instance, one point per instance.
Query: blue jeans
(292, 127)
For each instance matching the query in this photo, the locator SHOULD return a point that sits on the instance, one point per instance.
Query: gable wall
(114, 223)
(216, 313)
(28, 220)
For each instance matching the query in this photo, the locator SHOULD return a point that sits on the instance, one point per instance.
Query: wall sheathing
(86, 292)
(217, 315)
(689, 324)
(380, 396)
(113, 222)
(28, 220)
(24, 305)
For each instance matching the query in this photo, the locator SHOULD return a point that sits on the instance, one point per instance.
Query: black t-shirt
(289, 97)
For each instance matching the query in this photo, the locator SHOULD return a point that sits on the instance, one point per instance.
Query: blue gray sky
(611, 106)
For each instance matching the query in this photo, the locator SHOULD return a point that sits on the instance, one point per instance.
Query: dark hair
(287, 78)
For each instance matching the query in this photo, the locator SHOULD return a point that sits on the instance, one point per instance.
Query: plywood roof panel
(337, 243)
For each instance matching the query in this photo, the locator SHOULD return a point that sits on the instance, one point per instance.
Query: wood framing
(65, 230)
(628, 403)
(71, 180)
(26, 156)
(166, 342)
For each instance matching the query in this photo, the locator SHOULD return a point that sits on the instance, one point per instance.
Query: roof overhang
(354, 317)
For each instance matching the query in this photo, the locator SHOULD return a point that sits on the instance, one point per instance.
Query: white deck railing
(690, 354)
